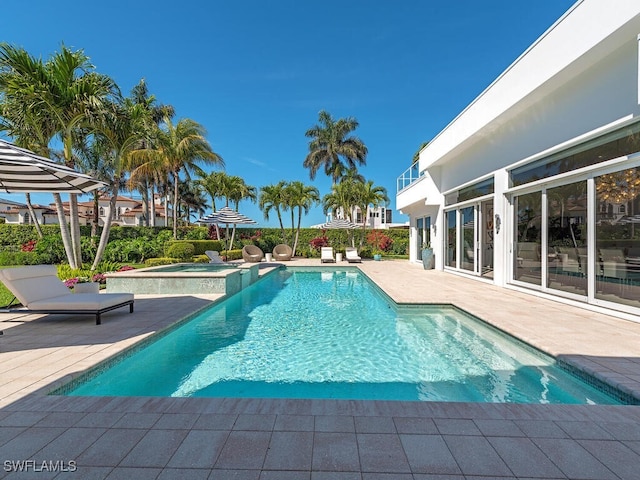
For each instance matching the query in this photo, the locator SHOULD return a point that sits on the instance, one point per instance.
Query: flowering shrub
(125, 268)
(28, 246)
(100, 278)
(319, 242)
(379, 241)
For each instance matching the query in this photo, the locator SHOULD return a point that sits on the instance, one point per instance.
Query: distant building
(129, 212)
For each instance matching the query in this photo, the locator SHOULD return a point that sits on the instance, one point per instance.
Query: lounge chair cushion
(35, 282)
(81, 301)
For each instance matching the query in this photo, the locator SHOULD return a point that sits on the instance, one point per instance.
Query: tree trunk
(64, 231)
(74, 220)
(175, 205)
(96, 214)
(152, 215)
(104, 237)
(295, 242)
(32, 214)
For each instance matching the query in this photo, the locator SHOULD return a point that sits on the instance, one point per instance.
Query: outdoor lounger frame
(39, 290)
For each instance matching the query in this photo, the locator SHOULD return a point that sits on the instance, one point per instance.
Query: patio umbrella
(23, 171)
(227, 216)
(339, 223)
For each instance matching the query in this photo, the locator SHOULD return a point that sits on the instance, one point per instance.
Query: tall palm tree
(119, 133)
(180, 147)
(272, 198)
(146, 182)
(59, 97)
(300, 197)
(333, 148)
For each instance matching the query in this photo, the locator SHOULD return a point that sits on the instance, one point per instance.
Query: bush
(156, 262)
(232, 254)
(200, 259)
(8, 258)
(200, 246)
(183, 251)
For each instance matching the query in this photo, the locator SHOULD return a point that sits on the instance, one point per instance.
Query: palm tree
(180, 147)
(58, 97)
(333, 148)
(119, 133)
(299, 196)
(213, 184)
(272, 198)
(366, 194)
(192, 199)
(147, 181)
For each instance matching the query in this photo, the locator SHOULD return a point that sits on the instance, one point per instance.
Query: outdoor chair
(326, 255)
(214, 256)
(282, 252)
(39, 290)
(251, 253)
(351, 254)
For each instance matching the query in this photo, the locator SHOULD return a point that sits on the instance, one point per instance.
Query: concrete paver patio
(146, 437)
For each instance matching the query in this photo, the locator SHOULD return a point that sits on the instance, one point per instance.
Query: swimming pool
(330, 333)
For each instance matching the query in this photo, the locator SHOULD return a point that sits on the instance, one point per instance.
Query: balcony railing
(409, 176)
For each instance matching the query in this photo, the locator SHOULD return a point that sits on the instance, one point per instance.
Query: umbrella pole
(233, 232)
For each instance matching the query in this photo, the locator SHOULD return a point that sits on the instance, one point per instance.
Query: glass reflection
(527, 263)
(567, 238)
(618, 237)
(451, 239)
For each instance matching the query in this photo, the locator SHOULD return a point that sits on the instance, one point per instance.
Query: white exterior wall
(580, 79)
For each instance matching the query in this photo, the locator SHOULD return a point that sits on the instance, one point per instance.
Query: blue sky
(257, 73)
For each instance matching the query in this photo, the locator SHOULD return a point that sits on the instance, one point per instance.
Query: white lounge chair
(39, 290)
(351, 254)
(214, 256)
(326, 255)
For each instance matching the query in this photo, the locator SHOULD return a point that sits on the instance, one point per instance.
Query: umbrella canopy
(23, 171)
(340, 223)
(227, 216)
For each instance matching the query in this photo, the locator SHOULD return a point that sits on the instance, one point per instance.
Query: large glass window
(567, 238)
(527, 265)
(480, 189)
(618, 237)
(607, 147)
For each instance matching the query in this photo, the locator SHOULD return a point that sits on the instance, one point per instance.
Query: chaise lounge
(351, 254)
(326, 255)
(39, 290)
(214, 256)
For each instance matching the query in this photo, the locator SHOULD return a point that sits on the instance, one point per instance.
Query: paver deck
(146, 437)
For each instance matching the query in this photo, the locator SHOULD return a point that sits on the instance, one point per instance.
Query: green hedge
(137, 244)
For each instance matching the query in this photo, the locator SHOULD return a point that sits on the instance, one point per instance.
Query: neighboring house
(378, 218)
(128, 212)
(535, 185)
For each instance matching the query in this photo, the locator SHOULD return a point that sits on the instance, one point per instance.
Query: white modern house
(536, 184)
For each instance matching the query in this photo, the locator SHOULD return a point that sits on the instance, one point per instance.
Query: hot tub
(184, 278)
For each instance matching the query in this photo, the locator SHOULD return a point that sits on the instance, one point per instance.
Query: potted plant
(377, 255)
(82, 285)
(427, 256)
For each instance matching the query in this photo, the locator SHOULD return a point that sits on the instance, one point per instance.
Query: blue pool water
(330, 333)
